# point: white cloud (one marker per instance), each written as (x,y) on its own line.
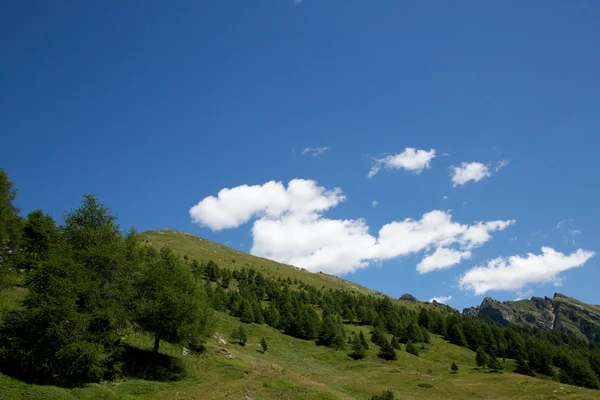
(445,197)
(233,207)
(290,227)
(501,164)
(296,2)
(442,258)
(473,171)
(441,299)
(560,223)
(374,203)
(514,272)
(410,159)
(574,232)
(315,151)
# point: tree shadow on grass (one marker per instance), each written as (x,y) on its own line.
(142,364)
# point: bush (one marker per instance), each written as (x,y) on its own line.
(387,395)
(425,385)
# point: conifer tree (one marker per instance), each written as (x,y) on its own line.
(412,349)
(454,367)
(387,352)
(481,358)
(263,345)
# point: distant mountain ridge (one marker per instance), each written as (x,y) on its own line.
(557,313)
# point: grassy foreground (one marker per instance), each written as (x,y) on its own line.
(297,369)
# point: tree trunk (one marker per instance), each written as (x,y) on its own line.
(156,344)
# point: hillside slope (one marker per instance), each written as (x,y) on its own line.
(204,250)
(558,313)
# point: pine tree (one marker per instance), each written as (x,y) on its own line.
(387,352)
(481,358)
(363,340)
(263,345)
(412,349)
(493,363)
(523,367)
(358,350)
(454,367)
(395,343)
(455,335)
(242,338)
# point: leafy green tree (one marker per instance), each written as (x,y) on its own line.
(455,335)
(378,336)
(424,318)
(481,358)
(331,332)
(412,349)
(358,350)
(523,367)
(395,343)
(53,337)
(426,335)
(493,363)
(263,345)
(171,304)
(10,224)
(387,352)
(40,234)
(363,340)
(454,367)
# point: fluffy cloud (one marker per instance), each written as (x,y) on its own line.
(233,207)
(442,258)
(441,299)
(467,172)
(514,272)
(374,203)
(410,159)
(290,227)
(315,151)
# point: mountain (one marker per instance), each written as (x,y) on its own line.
(558,313)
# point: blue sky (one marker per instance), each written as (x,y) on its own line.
(154,108)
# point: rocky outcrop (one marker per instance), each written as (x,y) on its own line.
(558,313)
(409,297)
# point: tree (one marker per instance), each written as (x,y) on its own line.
(412,349)
(378,336)
(481,358)
(238,335)
(387,352)
(10,223)
(358,350)
(523,367)
(493,363)
(171,304)
(454,367)
(39,236)
(395,343)
(426,336)
(363,340)
(263,345)
(455,335)
(387,395)
(331,332)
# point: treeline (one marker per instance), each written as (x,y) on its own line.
(306,312)
(88,285)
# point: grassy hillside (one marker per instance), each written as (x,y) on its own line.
(291,368)
(297,369)
(205,250)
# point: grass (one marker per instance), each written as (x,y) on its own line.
(297,369)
